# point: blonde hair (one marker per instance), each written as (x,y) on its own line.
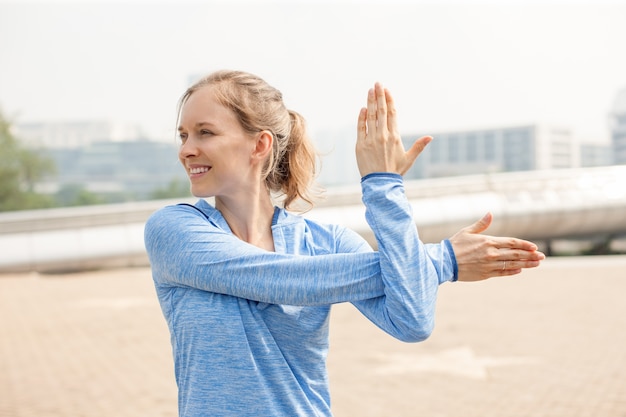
(292,165)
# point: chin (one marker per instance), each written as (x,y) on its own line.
(201,193)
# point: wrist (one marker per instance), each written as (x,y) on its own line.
(380,174)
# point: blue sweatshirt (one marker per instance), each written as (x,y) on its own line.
(249,328)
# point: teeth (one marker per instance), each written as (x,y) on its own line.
(198,170)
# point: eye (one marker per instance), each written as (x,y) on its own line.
(183,137)
(205,132)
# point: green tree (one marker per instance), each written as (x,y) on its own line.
(20,169)
(174,189)
(77,195)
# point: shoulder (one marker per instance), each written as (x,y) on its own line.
(173,213)
(180,212)
(173,220)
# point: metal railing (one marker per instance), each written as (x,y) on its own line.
(535,205)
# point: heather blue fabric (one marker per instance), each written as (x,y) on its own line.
(249,328)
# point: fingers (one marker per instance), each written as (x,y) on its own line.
(507,268)
(514,243)
(520,248)
(518,265)
(520,255)
(379,145)
(514,262)
(392,122)
(361,128)
(381,106)
(500,242)
(372,113)
(377,121)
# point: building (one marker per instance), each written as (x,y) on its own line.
(72,135)
(618,128)
(128,170)
(595,155)
(518,148)
(106,158)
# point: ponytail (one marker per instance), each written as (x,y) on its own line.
(298,163)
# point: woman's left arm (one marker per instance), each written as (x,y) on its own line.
(409,275)
(412,271)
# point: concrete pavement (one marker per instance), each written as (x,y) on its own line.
(550,342)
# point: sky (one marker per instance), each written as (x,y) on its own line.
(449,65)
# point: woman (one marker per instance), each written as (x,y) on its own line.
(246,286)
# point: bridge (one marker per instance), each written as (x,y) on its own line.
(536,205)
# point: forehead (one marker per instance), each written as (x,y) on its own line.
(202,106)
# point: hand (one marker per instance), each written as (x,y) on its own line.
(480,257)
(379,147)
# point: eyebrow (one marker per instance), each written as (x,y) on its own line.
(198,125)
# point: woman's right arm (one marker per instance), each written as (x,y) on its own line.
(185,249)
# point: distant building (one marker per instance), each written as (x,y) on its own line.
(594,155)
(519,148)
(103,157)
(70,135)
(618,128)
(132,168)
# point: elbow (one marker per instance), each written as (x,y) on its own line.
(418,336)
(418,333)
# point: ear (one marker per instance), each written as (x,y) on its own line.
(262,145)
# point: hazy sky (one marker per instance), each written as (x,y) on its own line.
(450,65)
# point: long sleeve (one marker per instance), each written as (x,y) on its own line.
(242,319)
(187,250)
(411,270)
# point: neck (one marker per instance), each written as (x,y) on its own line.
(249,218)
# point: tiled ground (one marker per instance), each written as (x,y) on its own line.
(550,342)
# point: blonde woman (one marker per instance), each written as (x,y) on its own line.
(246,286)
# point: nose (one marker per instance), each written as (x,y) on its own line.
(187,149)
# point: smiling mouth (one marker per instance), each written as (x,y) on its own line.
(198,170)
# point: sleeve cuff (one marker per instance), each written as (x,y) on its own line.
(381,174)
(455,266)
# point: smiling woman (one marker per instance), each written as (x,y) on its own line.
(246,286)
(222,122)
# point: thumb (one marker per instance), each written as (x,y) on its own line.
(481,225)
(415,150)
(418,146)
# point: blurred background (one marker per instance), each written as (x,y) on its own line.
(88,94)
(89,89)
(526,101)
(532,90)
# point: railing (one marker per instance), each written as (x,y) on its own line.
(536,205)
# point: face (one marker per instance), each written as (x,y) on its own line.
(215,150)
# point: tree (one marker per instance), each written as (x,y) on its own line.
(175,189)
(20,169)
(77,195)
